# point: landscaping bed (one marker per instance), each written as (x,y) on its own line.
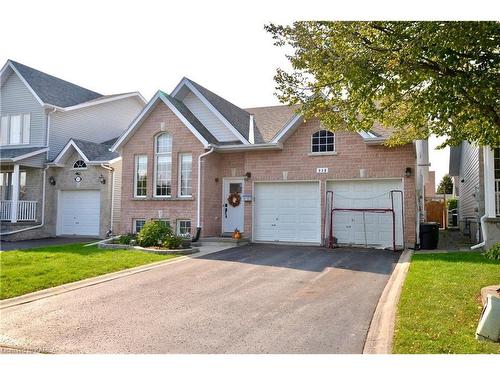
(440,304)
(25,271)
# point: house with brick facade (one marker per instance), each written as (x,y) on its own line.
(57,175)
(208,167)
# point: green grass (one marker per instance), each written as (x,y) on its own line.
(25,271)
(440,304)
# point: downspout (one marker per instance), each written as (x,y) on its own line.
(111,216)
(483,230)
(42,223)
(198,197)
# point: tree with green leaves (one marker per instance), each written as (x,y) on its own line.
(419,78)
(445,186)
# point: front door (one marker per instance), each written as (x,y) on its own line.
(232,212)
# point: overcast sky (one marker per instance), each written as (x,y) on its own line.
(120,46)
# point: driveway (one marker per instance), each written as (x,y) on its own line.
(252,299)
(43,242)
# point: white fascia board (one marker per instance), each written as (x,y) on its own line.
(199,95)
(257,147)
(374,141)
(30,154)
(294,121)
(92,162)
(102,101)
(9,64)
(185,121)
(71,143)
(136,122)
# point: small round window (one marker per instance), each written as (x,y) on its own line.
(79,164)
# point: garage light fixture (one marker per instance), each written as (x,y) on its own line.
(408,172)
(102,180)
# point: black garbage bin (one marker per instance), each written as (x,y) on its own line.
(429,236)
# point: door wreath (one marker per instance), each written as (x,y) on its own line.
(234,199)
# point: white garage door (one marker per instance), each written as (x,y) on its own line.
(371,229)
(287,211)
(79,212)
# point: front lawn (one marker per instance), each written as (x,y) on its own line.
(25,271)
(440,304)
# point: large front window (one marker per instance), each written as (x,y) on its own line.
(15,129)
(141,175)
(163,165)
(185,166)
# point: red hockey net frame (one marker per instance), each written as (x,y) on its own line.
(329,199)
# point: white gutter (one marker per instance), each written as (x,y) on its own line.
(257,147)
(42,223)
(198,197)
(111,216)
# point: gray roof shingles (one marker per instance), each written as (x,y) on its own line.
(10,153)
(96,151)
(53,90)
(239,118)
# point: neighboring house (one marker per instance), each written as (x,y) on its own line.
(40,192)
(476,175)
(264,171)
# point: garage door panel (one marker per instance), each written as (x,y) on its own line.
(79,212)
(295,215)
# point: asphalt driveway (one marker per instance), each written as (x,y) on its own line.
(252,299)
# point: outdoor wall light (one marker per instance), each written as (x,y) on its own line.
(408,172)
(52,180)
(248,175)
(102,180)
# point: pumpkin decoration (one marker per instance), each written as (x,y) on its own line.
(234,199)
(236,234)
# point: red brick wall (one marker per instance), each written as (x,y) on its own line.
(352,155)
(142,143)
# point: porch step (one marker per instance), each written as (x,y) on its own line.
(224,240)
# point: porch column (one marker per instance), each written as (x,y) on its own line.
(15,194)
(489,182)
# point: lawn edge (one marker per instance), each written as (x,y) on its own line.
(380,335)
(95,280)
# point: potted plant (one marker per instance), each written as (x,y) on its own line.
(236,234)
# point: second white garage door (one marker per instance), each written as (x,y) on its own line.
(79,212)
(287,212)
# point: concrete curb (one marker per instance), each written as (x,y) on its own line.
(65,288)
(381,331)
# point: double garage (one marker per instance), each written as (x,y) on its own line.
(293,211)
(79,212)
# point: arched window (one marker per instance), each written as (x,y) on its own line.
(163,165)
(323,141)
(79,164)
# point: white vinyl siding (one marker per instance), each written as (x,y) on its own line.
(185,175)
(141,176)
(208,118)
(17,99)
(96,123)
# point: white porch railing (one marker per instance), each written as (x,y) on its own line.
(497,197)
(26,210)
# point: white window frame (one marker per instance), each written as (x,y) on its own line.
(332,152)
(79,168)
(159,154)
(134,224)
(136,160)
(24,129)
(166,221)
(179,175)
(178,226)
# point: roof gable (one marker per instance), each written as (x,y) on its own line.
(90,152)
(236,119)
(49,89)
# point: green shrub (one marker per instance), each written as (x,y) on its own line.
(153,233)
(452,203)
(494,252)
(126,238)
(172,242)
